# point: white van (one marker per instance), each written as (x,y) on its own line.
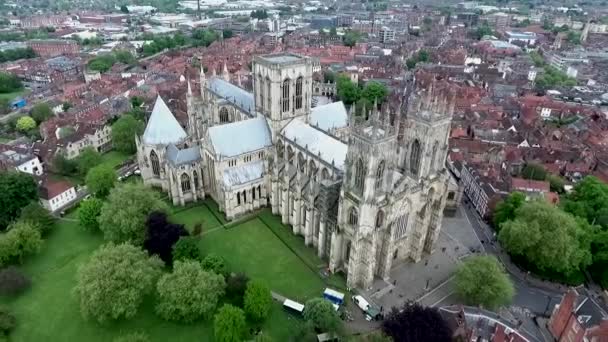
(361,302)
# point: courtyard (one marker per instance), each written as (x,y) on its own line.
(49,310)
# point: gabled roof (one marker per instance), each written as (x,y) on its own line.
(233,94)
(329,149)
(243,174)
(328,116)
(184,156)
(163,128)
(240,137)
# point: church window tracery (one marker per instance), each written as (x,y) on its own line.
(285,97)
(224,116)
(415,158)
(359,175)
(195,176)
(155,163)
(353,216)
(379,219)
(380,175)
(299,92)
(185,180)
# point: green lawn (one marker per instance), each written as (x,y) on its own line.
(11,96)
(114,158)
(49,311)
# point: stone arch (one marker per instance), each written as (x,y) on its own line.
(280,150)
(415,152)
(325,174)
(312,169)
(285,94)
(379,218)
(434,161)
(301,162)
(290,154)
(195,178)
(299,88)
(380,175)
(185,182)
(353,216)
(359,175)
(224,115)
(155,163)
(268,93)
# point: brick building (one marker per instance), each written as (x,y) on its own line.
(577,318)
(53,47)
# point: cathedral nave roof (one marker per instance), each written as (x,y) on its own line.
(315,141)
(231,93)
(329,116)
(163,128)
(240,137)
(183,156)
(244,173)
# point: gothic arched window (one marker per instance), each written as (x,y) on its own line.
(415,158)
(155,163)
(299,92)
(185,180)
(312,169)
(268,94)
(195,176)
(353,216)
(325,174)
(285,97)
(434,162)
(301,162)
(359,175)
(379,219)
(238,198)
(253,194)
(261,87)
(259,192)
(290,154)
(224,117)
(280,149)
(380,175)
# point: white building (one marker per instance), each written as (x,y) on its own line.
(55,195)
(387,34)
(21,161)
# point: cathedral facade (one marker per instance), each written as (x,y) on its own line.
(365,191)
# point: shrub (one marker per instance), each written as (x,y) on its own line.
(133,337)
(7,321)
(258,300)
(198,229)
(186,248)
(214,263)
(13,281)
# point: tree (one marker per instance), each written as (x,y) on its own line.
(236,285)
(186,248)
(9,83)
(589,200)
(329,76)
(556,183)
(229,324)
(17,189)
(415,323)
(13,281)
(64,166)
(38,216)
(482,31)
(125,57)
(123,216)
(124,9)
(214,263)
(376,336)
(322,314)
(133,337)
(124,131)
(66,106)
(258,300)
(482,280)
(505,209)
(21,240)
(162,235)
(375,92)
(189,292)
(89,212)
(350,38)
(7,321)
(25,123)
(41,112)
(114,282)
(348,92)
(411,63)
(87,159)
(227,34)
(534,171)
(546,238)
(102,63)
(100,180)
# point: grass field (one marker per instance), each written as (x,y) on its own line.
(114,158)
(11,96)
(49,310)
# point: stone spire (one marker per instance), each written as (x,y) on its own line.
(203,81)
(225,73)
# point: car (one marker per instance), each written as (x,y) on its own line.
(137,172)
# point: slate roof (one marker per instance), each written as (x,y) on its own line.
(240,137)
(328,116)
(233,94)
(243,174)
(163,128)
(184,156)
(317,142)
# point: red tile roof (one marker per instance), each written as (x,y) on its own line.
(52,188)
(528,184)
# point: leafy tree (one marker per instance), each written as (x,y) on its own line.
(87,159)
(411,63)
(348,92)
(162,235)
(124,131)
(258,300)
(376,336)
(21,240)
(8,322)
(25,124)
(125,57)
(329,76)
(13,281)
(9,83)
(39,216)
(322,314)
(547,238)
(17,189)
(102,63)
(214,263)
(186,248)
(114,282)
(124,9)
(350,38)
(482,280)
(482,31)
(375,92)
(573,37)
(415,323)
(556,183)
(259,14)
(100,180)
(124,215)
(227,34)
(89,212)
(589,200)
(189,292)
(41,112)
(534,171)
(64,166)
(229,324)
(133,337)
(505,209)
(66,106)
(236,285)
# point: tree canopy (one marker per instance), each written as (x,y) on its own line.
(162,235)
(481,280)
(87,159)
(505,209)
(102,63)
(534,171)
(258,300)
(547,238)
(17,189)
(41,112)
(321,313)
(22,239)
(123,216)
(214,263)
(25,124)
(348,92)
(229,324)
(186,248)
(9,83)
(351,38)
(124,131)
(89,212)
(189,292)
(39,216)
(100,180)
(414,323)
(114,282)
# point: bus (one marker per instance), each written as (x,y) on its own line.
(334,296)
(292,306)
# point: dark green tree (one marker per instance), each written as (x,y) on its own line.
(482,280)
(41,112)
(100,180)
(186,248)
(89,212)
(505,209)
(348,92)
(39,216)
(17,190)
(87,159)
(322,314)
(229,324)
(124,131)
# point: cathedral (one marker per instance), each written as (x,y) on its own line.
(365,191)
